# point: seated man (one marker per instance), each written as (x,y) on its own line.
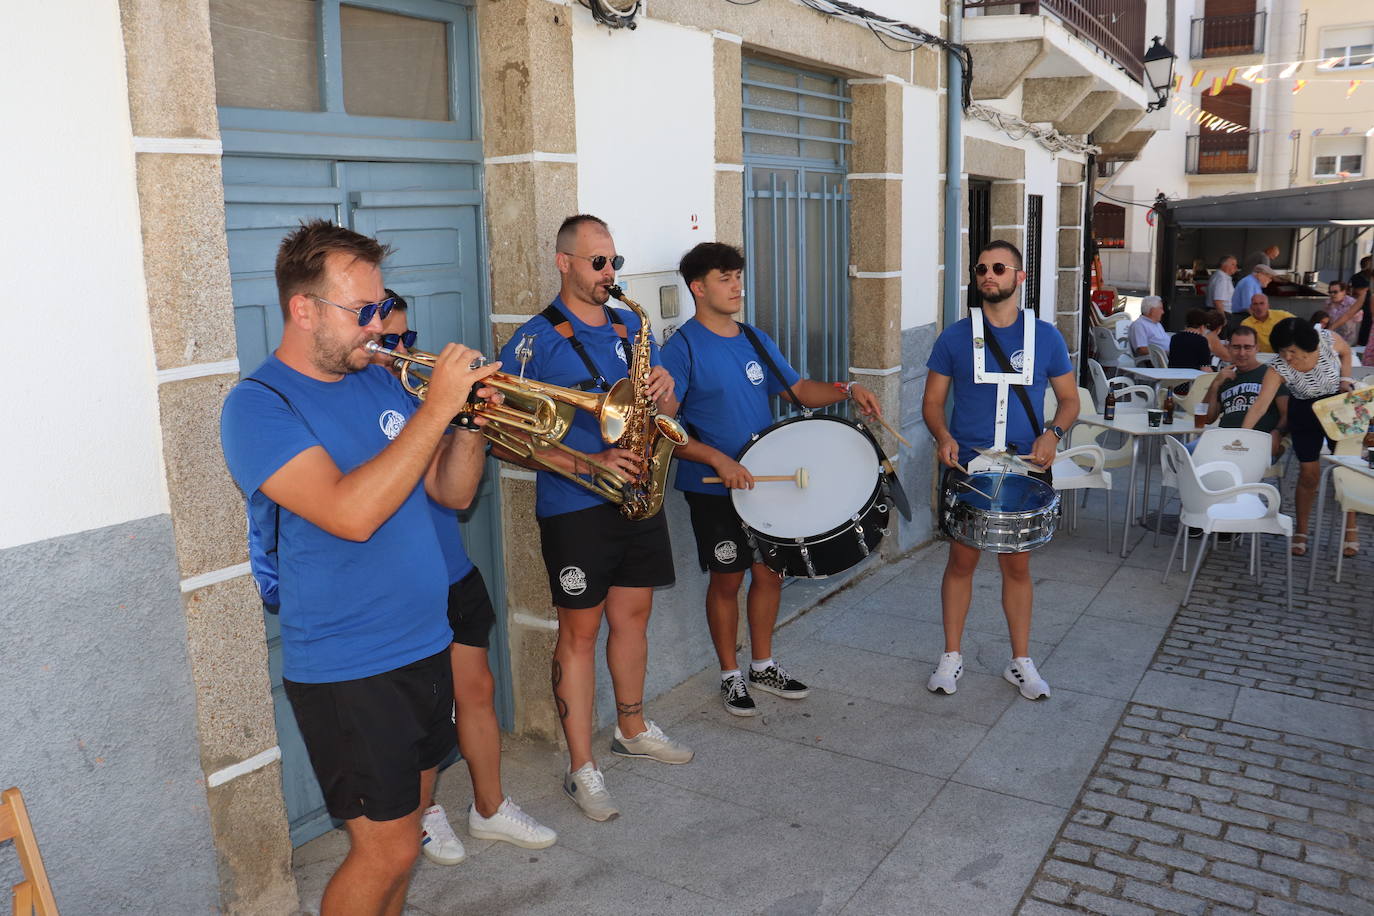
(1149,328)
(1262,320)
(1237,385)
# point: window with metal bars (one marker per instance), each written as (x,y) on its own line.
(1034,208)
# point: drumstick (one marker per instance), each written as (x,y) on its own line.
(888,427)
(801,478)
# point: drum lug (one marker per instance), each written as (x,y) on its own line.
(859,533)
(806,558)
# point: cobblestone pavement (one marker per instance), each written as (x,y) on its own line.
(1203,814)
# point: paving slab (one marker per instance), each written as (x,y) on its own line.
(1347,724)
(971,852)
(1043,750)
(985,651)
(1104,656)
(1186,694)
(1136,594)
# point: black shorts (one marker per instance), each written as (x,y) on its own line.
(588,551)
(1305,429)
(470,613)
(369,738)
(722,543)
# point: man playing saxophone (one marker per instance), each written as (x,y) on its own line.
(598,561)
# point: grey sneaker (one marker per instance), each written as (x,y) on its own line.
(651,743)
(775,680)
(587,789)
(511,825)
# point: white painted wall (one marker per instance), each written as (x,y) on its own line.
(646,137)
(80,413)
(922,206)
(1042,177)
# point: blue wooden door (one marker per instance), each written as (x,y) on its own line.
(347,149)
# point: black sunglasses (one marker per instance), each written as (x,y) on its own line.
(599,260)
(407,337)
(365,312)
(997,268)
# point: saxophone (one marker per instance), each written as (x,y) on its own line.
(650,435)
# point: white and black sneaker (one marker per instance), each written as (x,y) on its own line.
(775,680)
(950,669)
(1021,673)
(735,696)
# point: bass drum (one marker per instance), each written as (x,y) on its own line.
(837,519)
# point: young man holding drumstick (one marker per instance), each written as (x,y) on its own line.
(724,384)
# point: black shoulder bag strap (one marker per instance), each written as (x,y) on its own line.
(1038,425)
(691,373)
(749,332)
(554,316)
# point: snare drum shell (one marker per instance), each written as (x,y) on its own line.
(1000,530)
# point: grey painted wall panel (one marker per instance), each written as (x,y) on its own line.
(99,727)
(918,461)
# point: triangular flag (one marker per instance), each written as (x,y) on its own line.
(1197,77)
(1317,132)
(1294,134)
(1218,83)
(1354,84)
(1231,75)
(1298,86)
(1178,81)
(1345,131)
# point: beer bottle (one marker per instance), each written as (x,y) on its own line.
(1109,406)
(1169,406)
(1368,445)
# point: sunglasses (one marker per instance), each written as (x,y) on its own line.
(599,260)
(998,268)
(364,313)
(406,337)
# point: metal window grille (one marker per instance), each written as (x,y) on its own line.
(979,230)
(796,213)
(1034,208)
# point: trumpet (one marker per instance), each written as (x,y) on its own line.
(533,417)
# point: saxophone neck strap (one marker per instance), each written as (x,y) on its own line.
(563,325)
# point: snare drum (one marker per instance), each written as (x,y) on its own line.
(837,519)
(1020,515)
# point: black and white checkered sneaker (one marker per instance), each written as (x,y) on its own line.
(735,696)
(777,681)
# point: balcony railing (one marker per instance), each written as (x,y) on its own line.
(1223,154)
(1116,27)
(1227,36)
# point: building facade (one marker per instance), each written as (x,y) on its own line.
(178,140)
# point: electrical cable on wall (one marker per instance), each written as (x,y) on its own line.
(1017,128)
(617,14)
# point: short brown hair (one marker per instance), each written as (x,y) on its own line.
(301,257)
(568,230)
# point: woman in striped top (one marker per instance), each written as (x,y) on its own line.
(1314,363)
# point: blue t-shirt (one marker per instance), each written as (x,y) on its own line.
(975,405)
(1245,290)
(342,615)
(556,362)
(456,559)
(725,391)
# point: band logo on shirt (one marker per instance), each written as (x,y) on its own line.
(1018,360)
(572,580)
(754,372)
(391,422)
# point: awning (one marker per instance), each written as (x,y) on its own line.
(1347,203)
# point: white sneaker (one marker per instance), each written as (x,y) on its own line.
(1022,674)
(587,789)
(437,839)
(651,744)
(950,669)
(511,825)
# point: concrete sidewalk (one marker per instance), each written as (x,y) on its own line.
(873,796)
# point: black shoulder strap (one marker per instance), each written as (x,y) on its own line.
(749,332)
(554,316)
(1038,425)
(276,507)
(691,373)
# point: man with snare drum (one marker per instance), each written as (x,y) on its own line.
(992,358)
(725,374)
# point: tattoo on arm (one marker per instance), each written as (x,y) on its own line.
(559,703)
(629,709)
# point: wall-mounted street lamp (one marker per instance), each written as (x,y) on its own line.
(1159,70)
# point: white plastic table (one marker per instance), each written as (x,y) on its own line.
(1159,376)
(1136,425)
(1329,464)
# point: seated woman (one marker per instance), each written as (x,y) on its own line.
(1198,342)
(1313,363)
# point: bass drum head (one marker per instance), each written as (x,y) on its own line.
(841,461)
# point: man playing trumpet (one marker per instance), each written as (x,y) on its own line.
(599,563)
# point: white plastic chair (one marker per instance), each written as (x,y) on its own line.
(1354,493)
(1247,450)
(1084,468)
(1241,508)
(1109,349)
(1159,357)
(1128,396)
(1197,393)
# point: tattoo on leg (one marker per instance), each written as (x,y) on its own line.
(559,703)
(629,709)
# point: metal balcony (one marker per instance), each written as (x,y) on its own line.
(1116,27)
(1229,36)
(1222,153)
